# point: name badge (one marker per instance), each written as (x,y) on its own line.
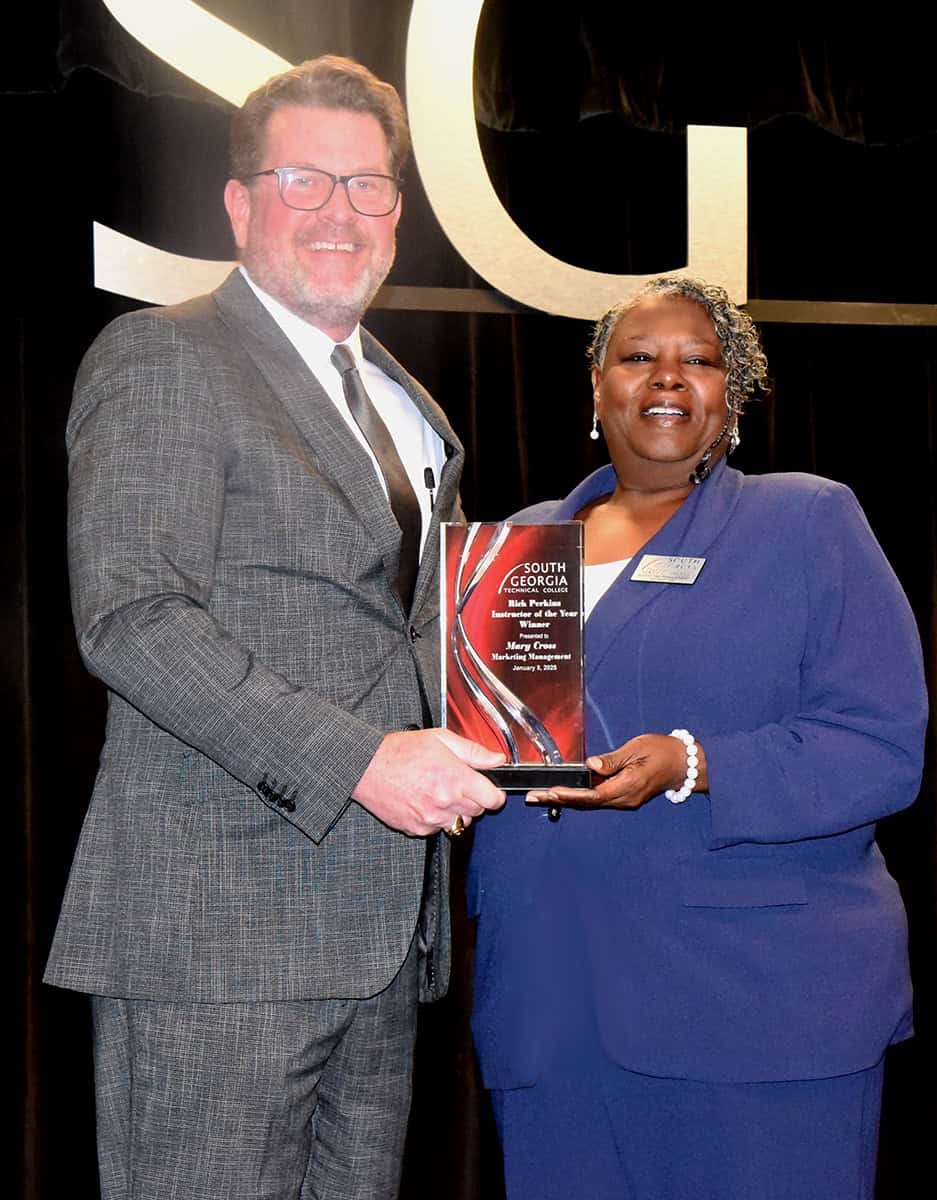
(667,568)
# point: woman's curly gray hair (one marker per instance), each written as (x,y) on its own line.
(742,355)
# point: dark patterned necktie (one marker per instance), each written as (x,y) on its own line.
(403,501)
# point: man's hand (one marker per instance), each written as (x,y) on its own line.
(421,782)
(631,775)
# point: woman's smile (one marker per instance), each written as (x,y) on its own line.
(661,391)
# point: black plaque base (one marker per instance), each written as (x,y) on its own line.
(525,777)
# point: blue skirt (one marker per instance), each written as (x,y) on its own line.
(598,1132)
(591,1130)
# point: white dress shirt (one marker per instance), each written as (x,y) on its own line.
(417,443)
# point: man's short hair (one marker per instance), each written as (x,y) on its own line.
(326,82)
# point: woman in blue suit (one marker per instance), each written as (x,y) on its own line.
(685,987)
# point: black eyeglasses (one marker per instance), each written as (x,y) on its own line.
(308,188)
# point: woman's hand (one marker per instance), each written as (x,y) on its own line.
(629,776)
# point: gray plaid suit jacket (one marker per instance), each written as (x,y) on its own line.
(232,557)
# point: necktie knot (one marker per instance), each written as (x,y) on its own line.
(342,358)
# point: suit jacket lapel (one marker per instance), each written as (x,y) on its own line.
(339,456)
(690,532)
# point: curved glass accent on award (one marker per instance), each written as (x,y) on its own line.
(511,608)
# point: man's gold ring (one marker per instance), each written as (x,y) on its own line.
(457,828)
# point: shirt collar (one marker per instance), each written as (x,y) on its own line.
(315,346)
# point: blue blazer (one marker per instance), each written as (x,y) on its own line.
(751,933)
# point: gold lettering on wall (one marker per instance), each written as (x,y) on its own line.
(202,46)
(440,59)
(132,268)
(228,63)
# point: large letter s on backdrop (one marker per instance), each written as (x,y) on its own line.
(227,63)
(440,58)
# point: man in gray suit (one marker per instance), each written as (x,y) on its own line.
(259,893)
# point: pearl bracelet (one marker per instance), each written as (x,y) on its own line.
(692,767)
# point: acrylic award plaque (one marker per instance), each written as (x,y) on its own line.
(512,677)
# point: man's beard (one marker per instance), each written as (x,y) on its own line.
(321,304)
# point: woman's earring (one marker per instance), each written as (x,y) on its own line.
(702,470)
(735,439)
(594,434)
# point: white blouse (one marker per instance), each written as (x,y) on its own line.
(596,581)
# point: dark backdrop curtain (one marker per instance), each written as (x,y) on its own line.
(583,129)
